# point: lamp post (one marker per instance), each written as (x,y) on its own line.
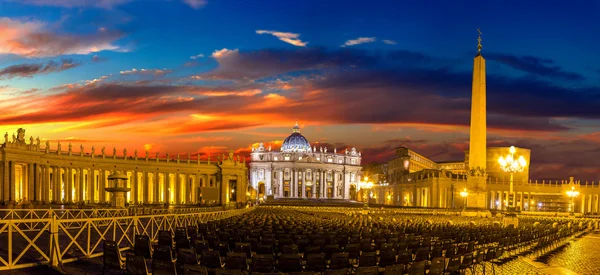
(572,194)
(512,165)
(367,185)
(464,194)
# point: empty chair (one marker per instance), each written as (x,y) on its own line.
(194,270)
(165,238)
(186,256)
(136,265)
(112,257)
(290,249)
(372,270)
(262,263)
(264,249)
(160,267)
(417,268)
(422,254)
(163,253)
(404,257)
(339,260)
(438,266)
(237,261)
(387,258)
(200,246)
(243,248)
(467,261)
(453,264)
(394,269)
(315,262)
(222,247)
(211,259)
(142,246)
(228,272)
(289,263)
(367,259)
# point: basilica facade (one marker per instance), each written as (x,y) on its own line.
(36,173)
(299,170)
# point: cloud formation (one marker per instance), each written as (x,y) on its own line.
(31,69)
(389,42)
(196,56)
(288,37)
(154,72)
(534,65)
(32,39)
(195,4)
(105,4)
(357,41)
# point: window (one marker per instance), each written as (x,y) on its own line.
(329,160)
(275,158)
(340,161)
(354,161)
(299,158)
(287,157)
(261,174)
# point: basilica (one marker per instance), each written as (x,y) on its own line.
(299,170)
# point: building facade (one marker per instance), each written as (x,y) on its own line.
(416,181)
(35,173)
(298,170)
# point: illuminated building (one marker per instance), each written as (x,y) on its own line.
(299,171)
(416,180)
(35,173)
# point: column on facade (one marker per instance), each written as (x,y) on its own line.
(281,182)
(334,185)
(101,186)
(177,188)
(6,182)
(292,182)
(146,183)
(314,176)
(269,182)
(68,185)
(46,185)
(156,196)
(303,191)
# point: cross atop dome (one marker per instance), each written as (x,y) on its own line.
(296,128)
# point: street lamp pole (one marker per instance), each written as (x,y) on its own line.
(512,165)
(367,185)
(572,194)
(464,194)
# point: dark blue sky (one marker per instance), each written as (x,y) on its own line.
(213,75)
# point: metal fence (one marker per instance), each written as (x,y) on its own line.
(51,237)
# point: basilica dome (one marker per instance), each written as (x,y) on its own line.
(296,142)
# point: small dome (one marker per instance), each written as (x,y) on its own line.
(296,142)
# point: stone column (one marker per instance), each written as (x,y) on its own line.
(281,183)
(156,186)
(47,184)
(293,193)
(69,184)
(80,185)
(6,182)
(28,193)
(315,182)
(177,188)
(136,187)
(303,173)
(346,182)
(268,182)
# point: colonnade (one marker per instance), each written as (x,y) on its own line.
(55,183)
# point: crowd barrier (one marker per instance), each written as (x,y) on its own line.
(53,237)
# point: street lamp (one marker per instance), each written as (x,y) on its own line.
(572,194)
(464,194)
(512,165)
(365,184)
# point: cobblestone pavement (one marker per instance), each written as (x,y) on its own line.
(577,257)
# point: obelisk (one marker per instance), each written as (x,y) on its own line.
(478,135)
(476,180)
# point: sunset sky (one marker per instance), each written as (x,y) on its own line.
(200,76)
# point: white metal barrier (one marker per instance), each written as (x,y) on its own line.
(54,241)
